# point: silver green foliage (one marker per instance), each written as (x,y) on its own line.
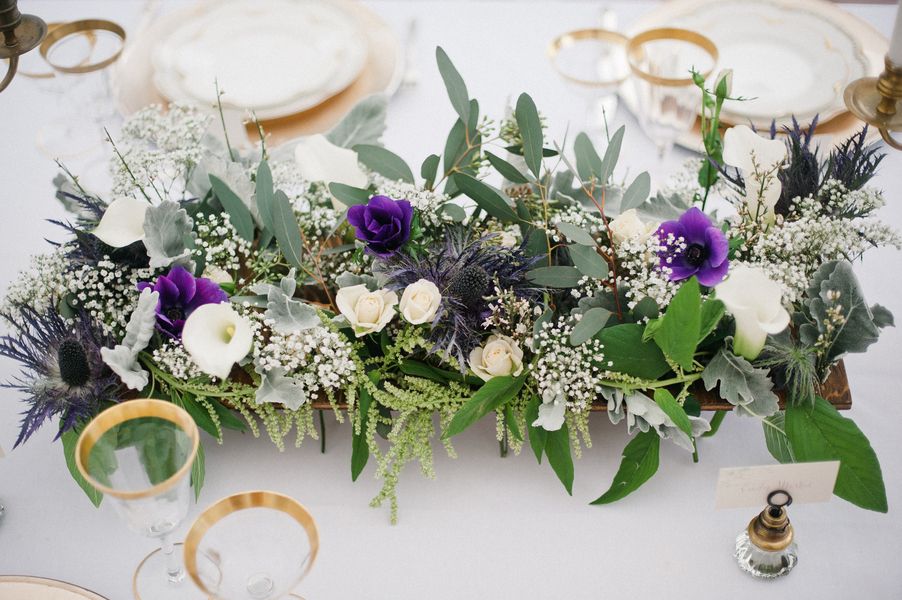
(643,414)
(277,388)
(365,124)
(747,388)
(287,314)
(123,359)
(167,232)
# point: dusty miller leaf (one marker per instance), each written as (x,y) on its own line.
(288,315)
(123,359)
(167,226)
(276,388)
(742,385)
(365,124)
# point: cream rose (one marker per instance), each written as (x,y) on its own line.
(500,356)
(629,226)
(420,302)
(366,311)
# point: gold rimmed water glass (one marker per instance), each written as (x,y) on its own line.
(592,63)
(255,545)
(662,61)
(139,454)
(80,54)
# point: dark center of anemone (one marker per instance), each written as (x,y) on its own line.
(695,255)
(75,370)
(469,284)
(175,313)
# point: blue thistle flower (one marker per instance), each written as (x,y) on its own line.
(465,270)
(62,371)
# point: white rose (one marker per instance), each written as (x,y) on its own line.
(366,311)
(319,159)
(420,301)
(217,337)
(217,274)
(756,303)
(629,226)
(759,159)
(500,356)
(508,239)
(122,222)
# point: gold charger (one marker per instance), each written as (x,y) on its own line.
(23,587)
(133,77)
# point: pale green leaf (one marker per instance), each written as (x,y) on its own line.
(385,162)
(531,132)
(592,321)
(588,261)
(554,277)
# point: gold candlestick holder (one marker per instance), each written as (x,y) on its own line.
(875,100)
(18,34)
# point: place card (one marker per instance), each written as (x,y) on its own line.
(739,487)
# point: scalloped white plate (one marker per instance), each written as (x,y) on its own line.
(23,587)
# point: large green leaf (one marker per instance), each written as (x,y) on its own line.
(538,436)
(588,261)
(639,463)
(623,346)
(384,161)
(494,393)
(360,450)
(554,277)
(557,449)
(712,312)
(678,332)
(668,404)
(488,198)
(454,83)
(198,471)
(287,230)
(820,433)
(531,131)
(239,215)
(775,437)
(70,439)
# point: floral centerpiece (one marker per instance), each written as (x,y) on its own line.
(255,288)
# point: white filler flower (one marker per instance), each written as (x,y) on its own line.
(366,311)
(420,302)
(319,159)
(122,222)
(217,337)
(759,159)
(500,356)
(756,303)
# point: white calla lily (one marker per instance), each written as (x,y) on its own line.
(216,337)
(122,222)
(366,311)
(319,159)
(756,303)
(759,159)
(420,302)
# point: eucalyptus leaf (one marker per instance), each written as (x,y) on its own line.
(611,155)
(507,170)
(264,192)
(637,192)
(744,386)
(592,321)
(530,125)
(588,163)
(455,212)
(454,83)
(348,194)
(429,169)
(239,214)
(287,230)
(167,226)
(385,162)
(365,124)
(487,198)
(360,450)
(576,234)
(554,277)
(588,261)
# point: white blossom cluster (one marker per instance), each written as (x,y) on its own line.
(317,357)
(159,149)
(107,292)
(286,176)
(576,215)
(218,242)
(41,285)
(817,231)
(172,358)
(426,203)
(564,371)
(510,315)
(642,273)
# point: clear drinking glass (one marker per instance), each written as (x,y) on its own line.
(139,453)
(668,100)
(80,53)
(251,546)
(592,63)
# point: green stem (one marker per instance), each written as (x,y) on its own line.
(716,420)
(322,429)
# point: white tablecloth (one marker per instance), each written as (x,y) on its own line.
(486,527)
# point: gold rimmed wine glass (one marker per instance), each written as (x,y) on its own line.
(139,453)
(80,52)
(662,61)
(251,546)
(592,63)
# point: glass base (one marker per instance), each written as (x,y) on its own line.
(761,563)
(151,583)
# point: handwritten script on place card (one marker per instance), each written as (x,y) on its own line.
(739,487)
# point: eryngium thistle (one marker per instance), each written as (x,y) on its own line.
(465,270)
(62,371)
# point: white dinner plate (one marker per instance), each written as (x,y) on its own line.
(21,587)
(274,57)
(789,57)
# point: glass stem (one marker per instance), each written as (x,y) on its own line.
(174,571)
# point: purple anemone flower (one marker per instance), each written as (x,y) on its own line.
(383,224)
(181,293)
(694,246)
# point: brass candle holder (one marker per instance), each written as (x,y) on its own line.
(20,34)
(875,100)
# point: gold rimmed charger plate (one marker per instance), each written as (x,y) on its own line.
(24,587)
(134,89)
